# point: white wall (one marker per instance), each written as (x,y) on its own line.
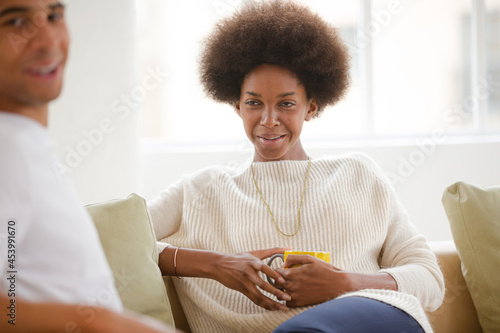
(100,70)
(421,171)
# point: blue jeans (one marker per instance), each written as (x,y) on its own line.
(352,315)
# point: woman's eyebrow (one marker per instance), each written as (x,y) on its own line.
(253,94)
(279,96)
(286,94)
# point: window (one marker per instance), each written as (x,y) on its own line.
(487,32)
(417,66)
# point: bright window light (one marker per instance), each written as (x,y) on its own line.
(417,66)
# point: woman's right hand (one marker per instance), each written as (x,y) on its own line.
(240,272)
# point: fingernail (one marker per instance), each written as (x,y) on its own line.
(283,308)
(286,297)
(281,280)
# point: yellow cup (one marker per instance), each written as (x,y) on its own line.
(325,256)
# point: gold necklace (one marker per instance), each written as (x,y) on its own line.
(300,205)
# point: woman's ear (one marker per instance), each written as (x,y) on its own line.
(312,109)
(237,107)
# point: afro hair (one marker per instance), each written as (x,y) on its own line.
(281,33)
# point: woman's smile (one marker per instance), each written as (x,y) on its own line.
(271,140)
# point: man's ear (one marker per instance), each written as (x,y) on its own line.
(312,109)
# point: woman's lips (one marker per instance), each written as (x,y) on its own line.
(271,140)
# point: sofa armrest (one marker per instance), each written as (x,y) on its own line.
(177,311)
(457,313)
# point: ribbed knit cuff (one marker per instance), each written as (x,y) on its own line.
(161,246)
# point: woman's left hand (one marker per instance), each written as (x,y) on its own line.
(313,282)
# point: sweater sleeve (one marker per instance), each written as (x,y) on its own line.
(166,212)
(167,209)
(406,256)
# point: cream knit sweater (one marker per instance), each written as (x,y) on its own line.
(349,209)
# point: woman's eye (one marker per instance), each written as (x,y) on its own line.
(288,104)
(252,103)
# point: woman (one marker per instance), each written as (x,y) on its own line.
(279,64)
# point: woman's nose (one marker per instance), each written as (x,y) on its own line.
(269,118)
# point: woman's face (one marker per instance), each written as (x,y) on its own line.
(274,106)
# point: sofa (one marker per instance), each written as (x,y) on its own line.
(457,313)
(128,240)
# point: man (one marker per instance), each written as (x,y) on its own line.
(50,252)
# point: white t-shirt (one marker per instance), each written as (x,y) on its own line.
(49,247)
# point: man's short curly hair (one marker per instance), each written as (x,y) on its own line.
(276,32)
